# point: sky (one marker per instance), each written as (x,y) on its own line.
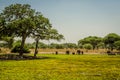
(77,19)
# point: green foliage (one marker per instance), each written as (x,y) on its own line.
(60,46)
(19,20)
(16,48)
(93,40)
(56,46)
(42,45)
(30,45)
(3,44)
(117,45)
(110,39)
(97,42)
(62,67)
(9,41)
(70,45)
(53,34)
(101,45)
(88,46)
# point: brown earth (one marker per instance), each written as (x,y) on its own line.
(60,51)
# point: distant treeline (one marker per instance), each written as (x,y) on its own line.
(110,41)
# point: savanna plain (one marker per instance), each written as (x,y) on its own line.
(62,67)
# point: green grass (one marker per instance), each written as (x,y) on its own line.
(63,67)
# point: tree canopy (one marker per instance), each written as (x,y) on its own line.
(20,20)
(110,39)
(93,40)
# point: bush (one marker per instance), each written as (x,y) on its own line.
(16,49)
(88,46)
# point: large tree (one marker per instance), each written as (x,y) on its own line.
(18,21)
(22,21)
(44,31)
(93,40)
(110,39)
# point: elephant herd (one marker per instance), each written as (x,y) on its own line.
(74,52)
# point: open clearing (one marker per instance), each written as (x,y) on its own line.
(62,67)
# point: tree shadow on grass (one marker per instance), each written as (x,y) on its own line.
(24,57)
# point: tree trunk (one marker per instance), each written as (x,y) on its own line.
(111,47)
(36,47)
(10,42)
(22,45)
(93,47)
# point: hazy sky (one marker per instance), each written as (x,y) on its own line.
(77,19)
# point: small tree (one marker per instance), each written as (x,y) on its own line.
(42,25)
(43,30)
(88,46)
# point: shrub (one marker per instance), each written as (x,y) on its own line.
(88,46)
(16,49)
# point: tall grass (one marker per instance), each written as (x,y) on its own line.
(63,67)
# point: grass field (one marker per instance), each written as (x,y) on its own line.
(62,67)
